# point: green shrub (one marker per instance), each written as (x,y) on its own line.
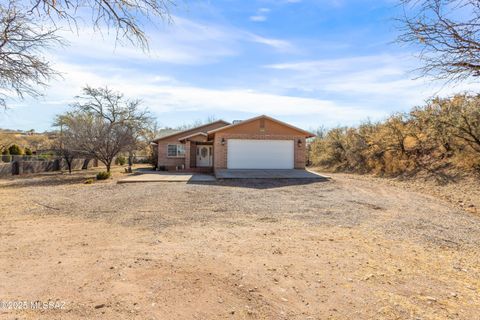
(120,160)
(103,175)
(44,157)
(6,156)
(89,181)
(15,150)
(28,152)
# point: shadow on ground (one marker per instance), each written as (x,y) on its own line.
(260,183)
(43,181)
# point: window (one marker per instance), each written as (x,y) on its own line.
(175,150)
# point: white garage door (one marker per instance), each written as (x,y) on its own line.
(260,154)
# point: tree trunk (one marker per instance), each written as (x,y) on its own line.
(69,164)
(130,162)
(108,165)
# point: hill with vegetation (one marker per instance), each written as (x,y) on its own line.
(440,139)
(26,139)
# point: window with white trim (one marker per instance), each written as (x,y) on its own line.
(175,150)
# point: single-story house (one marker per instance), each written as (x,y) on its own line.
(257,143)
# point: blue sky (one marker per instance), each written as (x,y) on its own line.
(311,63)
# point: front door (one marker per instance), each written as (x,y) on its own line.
(204,156)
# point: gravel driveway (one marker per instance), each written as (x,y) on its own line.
(271,249)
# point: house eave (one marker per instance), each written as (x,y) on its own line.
(193,135)
(183,131)
(306,133)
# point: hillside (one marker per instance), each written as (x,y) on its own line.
(30,139)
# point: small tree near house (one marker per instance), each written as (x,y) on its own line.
(67,154)
(6,155)
(64,145)
(15,150)
(104,124)
(149,133)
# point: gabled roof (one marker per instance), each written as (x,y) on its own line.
(307,134)
(193,135)
(191,131)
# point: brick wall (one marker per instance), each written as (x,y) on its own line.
(170,163)
(262,128)
(220,151)
(193,157)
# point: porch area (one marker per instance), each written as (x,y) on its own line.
(198,153)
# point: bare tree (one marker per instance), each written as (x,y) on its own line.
(196,123)
(460,116)
(448,34)
(124,16)
(28,28)
(65,144)
(67,153)
(151,132)
(103,124)
(22,39)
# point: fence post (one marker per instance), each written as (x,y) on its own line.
(85,163)
(17,167)
(57,165)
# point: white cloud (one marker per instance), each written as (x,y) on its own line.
(353,89)
(261,15)
(275,43)
(181,98)
(182,42)
(335,64)
(382,79)
(258,18)
(163,94)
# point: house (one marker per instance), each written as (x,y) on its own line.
(257,143)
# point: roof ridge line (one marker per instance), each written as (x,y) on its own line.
(179,132)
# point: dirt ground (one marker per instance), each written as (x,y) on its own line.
(348,248)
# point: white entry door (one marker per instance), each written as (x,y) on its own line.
(204,156)
(260,154)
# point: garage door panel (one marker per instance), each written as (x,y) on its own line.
(260,154)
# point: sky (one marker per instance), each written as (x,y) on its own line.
(311,63)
